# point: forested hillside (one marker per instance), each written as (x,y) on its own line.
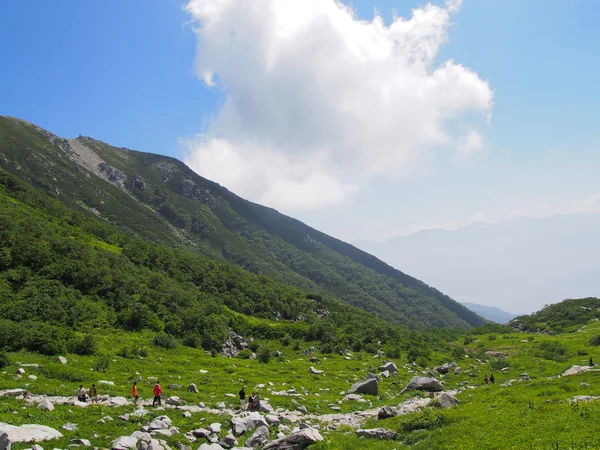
(567,315)
(162,201)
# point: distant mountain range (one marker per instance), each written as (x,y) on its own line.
(521,264)
(491,313)
(161,200)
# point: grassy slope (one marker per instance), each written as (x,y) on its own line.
(210,219)
(530,414)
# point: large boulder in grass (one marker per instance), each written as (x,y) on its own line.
(389,366)
(368,386)
(423,384)
(448,400)
(445,368)
(124,443)
(10,434)
(386,412)
(298,440)
(259,437)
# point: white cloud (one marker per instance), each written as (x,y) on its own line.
(320,102)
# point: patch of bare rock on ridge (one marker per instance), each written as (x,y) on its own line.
(88,158)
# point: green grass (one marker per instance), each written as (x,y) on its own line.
(532,414)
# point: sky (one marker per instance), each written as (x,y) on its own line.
(366,120)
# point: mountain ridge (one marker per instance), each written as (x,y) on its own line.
(162,200)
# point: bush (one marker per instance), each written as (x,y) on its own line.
(102,363)
(85,346)
(595,340)
(498,364)
(244,354)
(468,340)
(421,361)
(4,360)
(263,355)
(192,340)
(393,353)
(143,352)
(422,420)
(165,340)
(492,337)
(286,340)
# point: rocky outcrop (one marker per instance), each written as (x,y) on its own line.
(368,386)
(447,400)
(233,345)
(386,412)
(11,434)
(315,371)
(389,366)
(423,384)
(445,368)
(259,437)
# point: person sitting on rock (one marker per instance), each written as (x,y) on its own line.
(254,402)
(81,394)
(94,393)
(157,393)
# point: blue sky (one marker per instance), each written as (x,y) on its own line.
(124,72)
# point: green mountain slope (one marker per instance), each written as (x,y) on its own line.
(565,316)
(161,200)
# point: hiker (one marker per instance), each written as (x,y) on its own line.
(485,379)
(134,392)
(591,362)
(242,398)
(492,379)
(254,403)
(93,393)
(157,394)
(81,394)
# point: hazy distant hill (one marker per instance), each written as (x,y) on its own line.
(491,312)
(162,200)
(521,264)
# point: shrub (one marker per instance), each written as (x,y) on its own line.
(244,354)
(192,340)
(492,337)
(595,340)
(85,346)
(263,355)
(582,352)
(458,352)
(164,340)
(4,360)
(143,352)
(421,361)
(285,341)
(422,420)
(468,340)
(102,363)
(498,364)
(393,353)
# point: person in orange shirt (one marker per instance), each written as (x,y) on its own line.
(157,393)
(134,392)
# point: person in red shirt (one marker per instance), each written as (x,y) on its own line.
(485,379)
(134,392)
(157,394)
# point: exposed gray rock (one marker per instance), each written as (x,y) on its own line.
(213,446)
(238,425)
(83,442)
(444,368)
(192,388)
(27,433)
(69,427)
(215,427)
(385,374)
(368,386)
(315,371)
(378,433)
(447,400)
(173,400)
(386,412)
(298,440)
(389,366)
(259,437)
(187,414)
(228,441)
(124,443)
(118,401)
(272,419)
(423,384)
(45,405)
(201,433)
(303,409)
(233,345)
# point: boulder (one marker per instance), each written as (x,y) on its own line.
(423,384)
(213,446)
(83,442)
(124,443)
(106,382)
(173,400)
(69,427)
(228,441)
(444,368)
(20,371)
(259,437)
(447,400)
(187,414)
(27,433)
(192,388)
(238,425)
(389,366)
(254,420)
(62,359)
(45,405)
(32,377)
(215,427)
(272,419)
(118,401)
(200,433)
(298,440)
(385,374)
(315,371)
(303,409)
(378,433)
(368,386)
(13,393)
(386,412)
(457,370)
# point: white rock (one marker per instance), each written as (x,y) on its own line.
(109,383)
(215,427)
(29,433)
(62,359)
(45,405)
(124,443)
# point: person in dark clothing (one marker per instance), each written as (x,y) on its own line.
(243,398)
(254,403)
(492,379)
(591,362)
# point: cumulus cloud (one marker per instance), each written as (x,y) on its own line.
(318,102)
